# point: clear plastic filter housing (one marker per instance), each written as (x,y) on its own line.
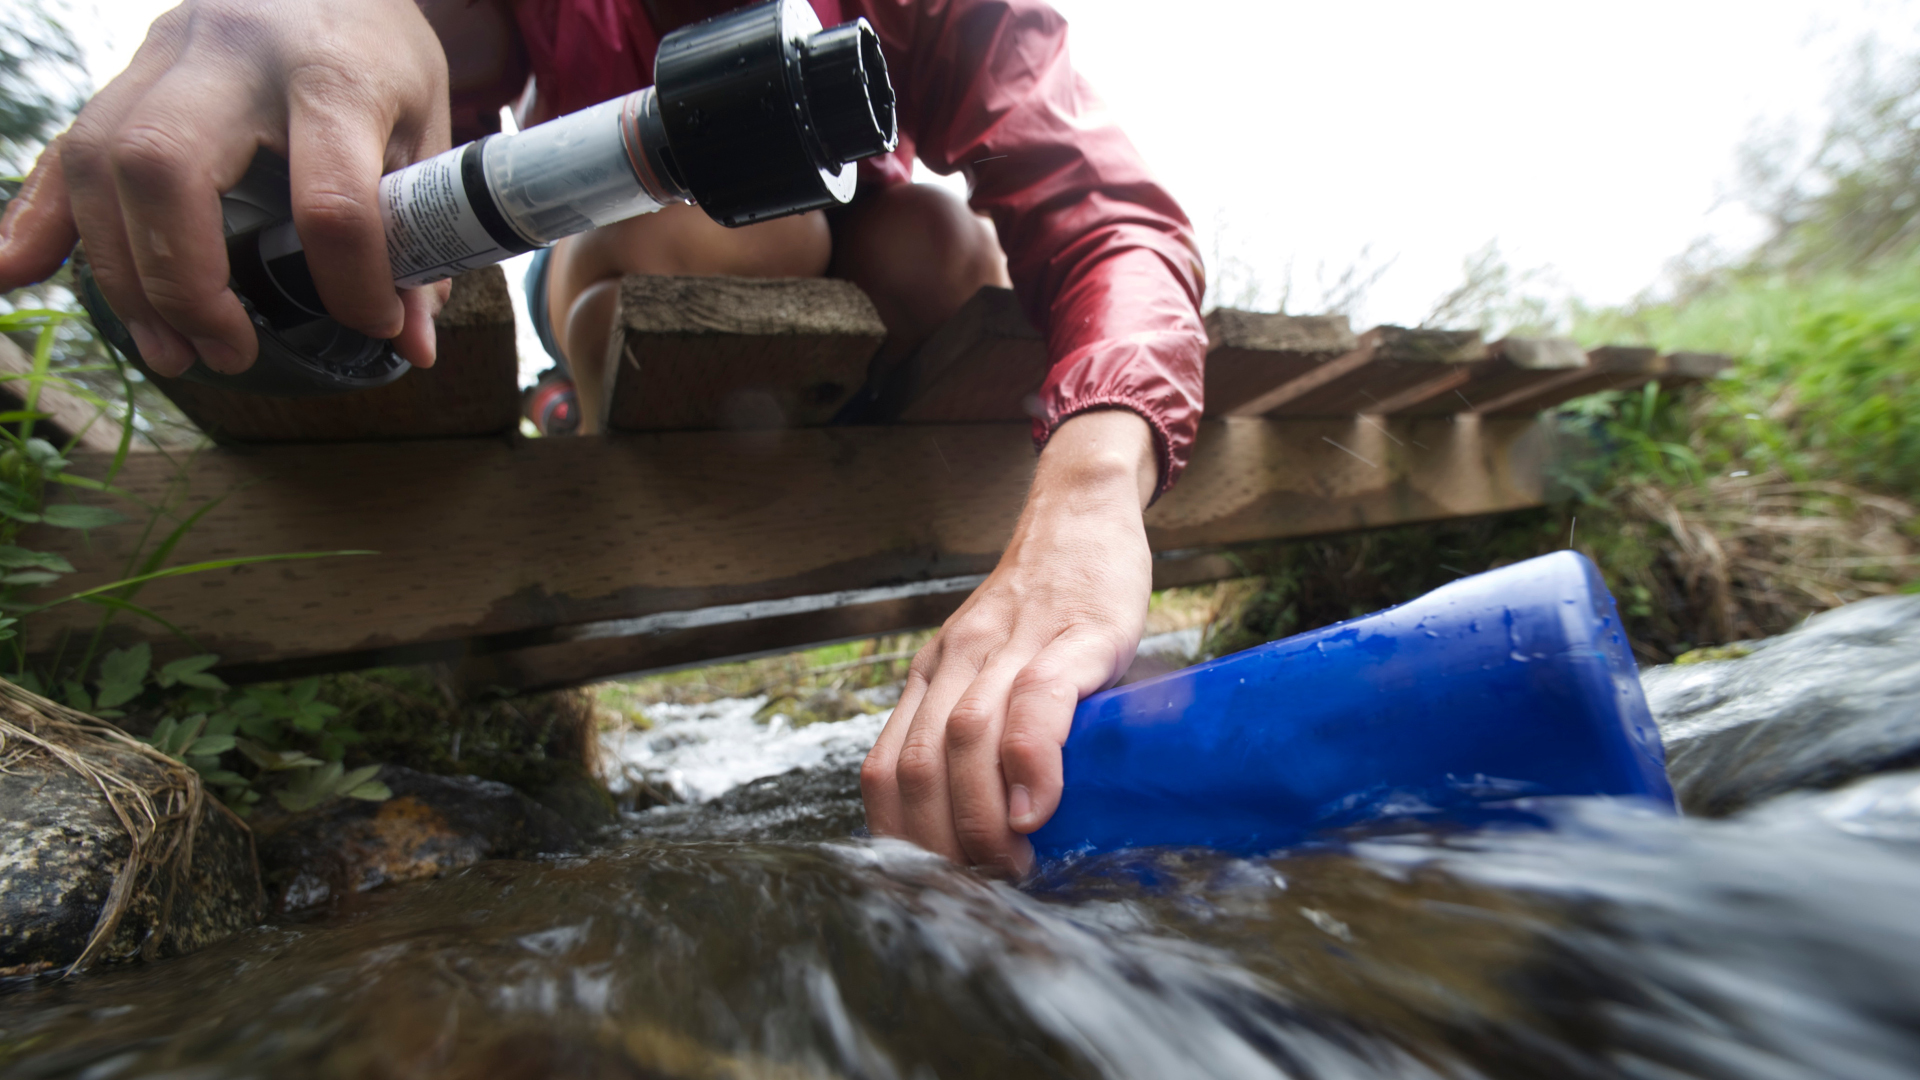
(572,173)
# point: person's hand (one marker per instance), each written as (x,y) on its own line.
(346,90)
(969,762)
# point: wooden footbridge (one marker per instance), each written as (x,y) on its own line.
(726,515)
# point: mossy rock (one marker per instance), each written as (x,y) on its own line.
(431,825)
(580,799)
(814,707)
(63,847)
(1735,651)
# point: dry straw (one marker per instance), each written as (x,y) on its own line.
(159,801)
(1755,554)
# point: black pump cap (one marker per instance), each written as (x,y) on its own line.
(764,112)
(848,92)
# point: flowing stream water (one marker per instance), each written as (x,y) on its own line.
(753,934)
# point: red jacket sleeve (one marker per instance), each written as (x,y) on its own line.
(1102,258)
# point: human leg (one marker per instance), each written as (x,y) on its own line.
(917,251)
(920,254)
(583,278)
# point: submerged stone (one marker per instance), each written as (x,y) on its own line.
(799,805)
(1835,699)
(430,826)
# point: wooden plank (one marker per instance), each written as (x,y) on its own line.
(472,389)
(734,635)
(1610,367)
(1685,368)
(496,545)
(744,631)
(66,415)
(1386,362)
(1250,353)
(707,353)
(985,363)
(1512,365)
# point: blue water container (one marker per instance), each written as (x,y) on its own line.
(1516,682)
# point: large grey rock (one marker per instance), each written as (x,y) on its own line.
(62,846)
(1835,699)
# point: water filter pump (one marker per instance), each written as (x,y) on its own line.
(755,114)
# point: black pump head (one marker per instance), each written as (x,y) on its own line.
(849,95)
(765,112)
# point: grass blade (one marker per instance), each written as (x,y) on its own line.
(114,603)
(197,568)
(173,539)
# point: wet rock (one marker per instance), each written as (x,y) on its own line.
(800,805)
(1835,699)
(431,825)
(580,798)
(1882,807)
(63,846)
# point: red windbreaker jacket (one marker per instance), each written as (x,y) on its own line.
(1102,258)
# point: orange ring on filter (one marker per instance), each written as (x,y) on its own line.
(636,157)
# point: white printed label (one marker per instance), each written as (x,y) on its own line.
(432,232)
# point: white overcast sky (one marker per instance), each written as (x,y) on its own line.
(1593,141)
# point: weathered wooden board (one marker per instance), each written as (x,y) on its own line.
(1386,363)
(1250,353)
(602,651)
(1523,376)
(1684,368)
(1611,367)
(984,364)
(496,545)
(708,353)
(473,387)
(742,631)
(1513,365)
(66,415)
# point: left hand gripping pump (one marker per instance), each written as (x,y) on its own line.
(755,114)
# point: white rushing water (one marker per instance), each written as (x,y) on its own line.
(704,751)
(700,752)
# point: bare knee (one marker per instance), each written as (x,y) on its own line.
(584,274)
(919,253)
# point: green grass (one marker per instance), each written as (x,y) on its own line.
(848,666)
(1827,379)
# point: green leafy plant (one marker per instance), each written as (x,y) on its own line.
(313,786)
(30,465)
(198,742)
(244,743)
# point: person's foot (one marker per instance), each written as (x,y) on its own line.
(552,405)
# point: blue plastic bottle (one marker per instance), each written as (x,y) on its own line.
(1510,683)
